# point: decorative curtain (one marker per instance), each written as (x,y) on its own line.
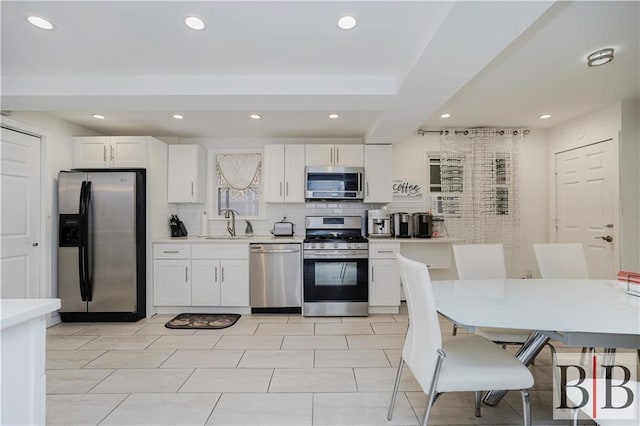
(239,170)
(479,170)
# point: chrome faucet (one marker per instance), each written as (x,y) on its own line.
(231,225)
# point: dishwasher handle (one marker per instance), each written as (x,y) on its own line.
(268,251)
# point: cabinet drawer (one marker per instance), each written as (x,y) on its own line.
(220,251)
(383,250)
(171,251)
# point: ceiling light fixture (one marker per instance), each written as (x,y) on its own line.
(98,116)
(194,23)
(600,57)
(178,116)
(445,115)
(40,22)
(256,116)
(333,116)
(347,22)
(544,116)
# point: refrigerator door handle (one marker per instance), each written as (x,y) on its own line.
(81,241)
(87,264)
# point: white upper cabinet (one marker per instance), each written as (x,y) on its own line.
(284,173)
(187,174)
(334,155)
(110,151)
(378,173)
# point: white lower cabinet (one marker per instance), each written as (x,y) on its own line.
(384,278)
(200,280)
(172,282)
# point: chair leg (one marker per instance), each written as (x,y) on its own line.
(433,395)
(526,411)
(394,394)
(478,412)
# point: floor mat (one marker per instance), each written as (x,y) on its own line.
(203,321)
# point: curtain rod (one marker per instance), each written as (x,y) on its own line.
(444,132)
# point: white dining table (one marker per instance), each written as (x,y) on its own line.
(576,312)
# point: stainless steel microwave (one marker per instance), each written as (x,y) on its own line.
(334,183)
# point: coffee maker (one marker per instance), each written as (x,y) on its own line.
(378,223)
(402,225)
(422,225)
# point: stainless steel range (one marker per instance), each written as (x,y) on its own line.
(335,267)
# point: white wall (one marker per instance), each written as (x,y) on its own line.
(618,122)
(57,154)
(409,157)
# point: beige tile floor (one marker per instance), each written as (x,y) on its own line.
(265,370)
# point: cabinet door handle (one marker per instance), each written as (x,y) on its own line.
(337,155)
(367,189)
(281,189)
(112,154)
(170,251)
(186,274)
(104,152)
(222,274)
(373,277)
(216,275)
(331,155)
(385,251)
(192,186)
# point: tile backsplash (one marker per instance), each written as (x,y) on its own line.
(191,215)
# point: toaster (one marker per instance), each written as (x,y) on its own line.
(282,229)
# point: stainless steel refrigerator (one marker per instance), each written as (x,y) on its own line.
(102,241)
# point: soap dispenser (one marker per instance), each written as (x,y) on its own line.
(249,229)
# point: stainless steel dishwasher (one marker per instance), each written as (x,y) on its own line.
(275,276)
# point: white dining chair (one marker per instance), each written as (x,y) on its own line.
(485,261)
(466,363)
(561,260)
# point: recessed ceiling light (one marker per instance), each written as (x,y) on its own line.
(333,116)
(40,22)
(347,22)
(98,116)
(178,116)
(544,116)
(445,115)
(600,57)
(256,116)
(194,23)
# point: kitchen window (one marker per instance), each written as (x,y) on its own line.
(237,184)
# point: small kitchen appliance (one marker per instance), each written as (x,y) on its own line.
(378,224)
(402,225)
(422,225)
(335,267)
(282,228)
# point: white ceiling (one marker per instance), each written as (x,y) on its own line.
(486,63)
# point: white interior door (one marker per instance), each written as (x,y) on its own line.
(586,197)
(20,232)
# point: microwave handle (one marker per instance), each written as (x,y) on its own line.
(360,181)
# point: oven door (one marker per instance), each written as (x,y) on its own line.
(336,280)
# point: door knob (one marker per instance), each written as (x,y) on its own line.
(34,244)
(607,238)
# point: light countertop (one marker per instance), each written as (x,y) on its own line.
(226,239)
(16,311)
(440,240)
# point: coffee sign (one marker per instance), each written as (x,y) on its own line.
(402,188)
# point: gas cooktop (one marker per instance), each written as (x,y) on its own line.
(335,238)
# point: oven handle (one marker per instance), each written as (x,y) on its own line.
(342,256)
